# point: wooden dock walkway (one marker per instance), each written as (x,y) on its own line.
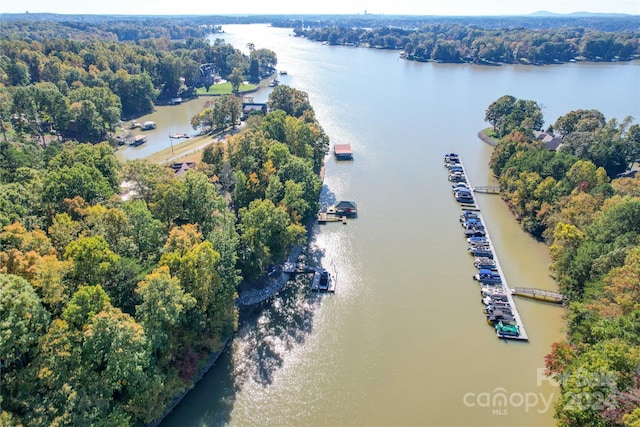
(488,189)
(540,294)
(505,285)
(324,217)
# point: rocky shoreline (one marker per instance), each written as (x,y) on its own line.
(251,294)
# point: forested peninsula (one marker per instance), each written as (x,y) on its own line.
(111,303)
(582,198)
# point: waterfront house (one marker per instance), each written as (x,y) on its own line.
(249,108)
(551,142)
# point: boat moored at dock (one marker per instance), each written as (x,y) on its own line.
(322,281)
(487,276)
(500,309)
(138,140)
(484,262)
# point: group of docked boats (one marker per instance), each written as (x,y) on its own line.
(497,308)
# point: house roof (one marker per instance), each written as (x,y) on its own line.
(345,204)
(342,148)
(181,168)
(551,142)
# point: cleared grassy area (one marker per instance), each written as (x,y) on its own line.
(181,150)
(224,89)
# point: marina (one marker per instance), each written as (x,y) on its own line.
(500,309)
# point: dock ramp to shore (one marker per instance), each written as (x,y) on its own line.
(539,294)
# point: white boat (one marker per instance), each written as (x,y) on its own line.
(322,281)
(148,125)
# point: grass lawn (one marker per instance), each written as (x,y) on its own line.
(224,89)
(490,133)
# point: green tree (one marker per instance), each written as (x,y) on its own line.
(266,234)
(108,107)
(23,320)
(92,260)
(163,305)
(292,101)
(236,78)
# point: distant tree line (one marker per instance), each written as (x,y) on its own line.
(575,200)
(110,305)
(600,22)
(454,42)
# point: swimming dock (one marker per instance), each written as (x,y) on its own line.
(466,197)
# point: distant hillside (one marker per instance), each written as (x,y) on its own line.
(581,14)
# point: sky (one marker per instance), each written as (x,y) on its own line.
(257,7)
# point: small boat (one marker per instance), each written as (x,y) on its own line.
(138,140)
(476,240)
(496,305)
(457,177)
(473,222)
(283,72)
(322,281)
(460,186)
(504,329)
(480,245)
(487,276)
(488,300)
(148,125)
(464,198)
(500,316)
(470,232)
(484,262)
(481,252)
(489,289)
(466,214)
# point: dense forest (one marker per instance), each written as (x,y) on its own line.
(112,301)
(580,201)
(81,89)
(460,42)
(110,305)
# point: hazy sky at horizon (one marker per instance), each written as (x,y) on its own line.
(253,7)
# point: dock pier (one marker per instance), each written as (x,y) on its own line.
(540,295)
(473,206)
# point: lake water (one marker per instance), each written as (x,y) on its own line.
(403,341)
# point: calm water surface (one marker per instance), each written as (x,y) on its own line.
(403,341)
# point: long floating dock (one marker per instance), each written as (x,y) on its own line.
(469,203)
